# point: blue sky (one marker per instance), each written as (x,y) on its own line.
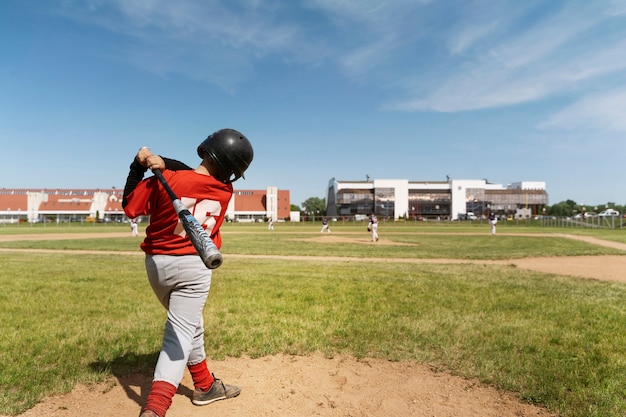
(505,90)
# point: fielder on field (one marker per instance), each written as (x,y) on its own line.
(325,226)
(493,221)
(373,227)
(178,276)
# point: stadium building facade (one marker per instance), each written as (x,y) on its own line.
(105,205)
(451,199)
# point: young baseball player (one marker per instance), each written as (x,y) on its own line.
(493,221)
(373,227)
(176,273)
(134,227)
(325,226)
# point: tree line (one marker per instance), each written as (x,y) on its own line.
(570,208)
(567,208)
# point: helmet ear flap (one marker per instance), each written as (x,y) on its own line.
(205,154)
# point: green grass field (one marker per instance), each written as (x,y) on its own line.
(556,341)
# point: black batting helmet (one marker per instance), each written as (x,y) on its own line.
(230,151)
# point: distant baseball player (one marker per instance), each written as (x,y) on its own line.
(134,228)
(176,273)
(373,227)
(325,226)
(493,220)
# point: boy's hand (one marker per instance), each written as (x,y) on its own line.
(146,158)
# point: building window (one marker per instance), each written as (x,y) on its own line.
(429,203)
(385,201)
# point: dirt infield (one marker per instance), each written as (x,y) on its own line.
(339,387)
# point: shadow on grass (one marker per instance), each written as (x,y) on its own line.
(134,374)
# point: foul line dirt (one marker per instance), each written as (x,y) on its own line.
(601,267)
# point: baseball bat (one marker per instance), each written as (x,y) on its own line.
(209,253)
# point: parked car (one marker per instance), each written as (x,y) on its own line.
(467,216)
(545,217)
(609,213)
(590,214)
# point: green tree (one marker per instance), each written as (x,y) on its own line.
(561,209)
(314,206)
(572,204)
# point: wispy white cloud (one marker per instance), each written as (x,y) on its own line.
(559,55)
(487,85)
(554,37)
(215,41)
(618,7)
(477,22)
(239,24)
(370,35)
(470,35)
(434,55)
(598,112)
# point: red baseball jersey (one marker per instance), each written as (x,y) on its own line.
(204,196)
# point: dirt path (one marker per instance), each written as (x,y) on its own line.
(285,386)
(607,267)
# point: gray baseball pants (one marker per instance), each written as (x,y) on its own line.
(181,283)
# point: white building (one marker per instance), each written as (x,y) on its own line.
(400,198)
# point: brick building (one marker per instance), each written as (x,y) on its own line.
(105,205)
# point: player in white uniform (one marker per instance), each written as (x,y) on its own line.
(373,226)
(493,220)
(325,226)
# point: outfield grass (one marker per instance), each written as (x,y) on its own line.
(555,341)
(410,241)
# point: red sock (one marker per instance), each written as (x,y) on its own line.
(202,378)
(160,397)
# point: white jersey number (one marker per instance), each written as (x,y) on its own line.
(204,211)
